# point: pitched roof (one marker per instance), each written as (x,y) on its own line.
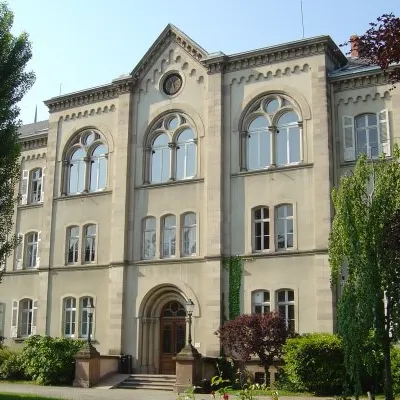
(34,128)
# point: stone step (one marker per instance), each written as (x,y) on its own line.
(149,381)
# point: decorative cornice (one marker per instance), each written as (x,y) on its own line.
(360,80)
(35,141)
(274,54)
(93,95)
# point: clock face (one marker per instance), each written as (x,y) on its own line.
(172,84)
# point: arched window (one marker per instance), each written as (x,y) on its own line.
(271,133)
(169,236)
(149,238)
(188,234)
(85,303)
(261,229)
(171,152)
(260,302)
(36,192)
(31,250)
(86,164)
(160,160)
(23,320)
(69,316)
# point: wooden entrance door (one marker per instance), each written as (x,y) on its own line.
(172,335)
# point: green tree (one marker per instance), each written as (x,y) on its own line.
(365,203)
(15,52)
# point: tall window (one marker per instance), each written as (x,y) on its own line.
(73,245)
(90,243)
(160,163)
(169,236)
(271,134)
(69,316)
(259,144)
(366,134)
(286,307)
(36,186)
(172,153)
(186,155)
(149,238)
(86,164)
(188,234)
(260,302)
(32,186)
(85,303)
(288,139)
(31,252)
(284,226)
(261,229)
(98,168)
(23,318)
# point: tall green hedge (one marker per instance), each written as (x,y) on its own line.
(314,363)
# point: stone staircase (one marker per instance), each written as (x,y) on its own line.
(152,382)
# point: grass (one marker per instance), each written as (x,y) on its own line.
(21,396)
(268,392)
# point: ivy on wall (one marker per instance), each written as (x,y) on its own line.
(234,265)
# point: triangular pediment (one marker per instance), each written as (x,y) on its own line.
(171,34)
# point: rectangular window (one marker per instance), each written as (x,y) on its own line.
(27,318)
(284,226)
(36,186)
(149,238)
(73,245)
(286,307)
(31,250)
(69,316)
(90,243)
(86,302)
(2,318)
(169,236)
(261,229)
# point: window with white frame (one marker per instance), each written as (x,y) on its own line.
(260,302)
(2,317)
(75,320)
(32,259)
(261,229)
(188,234)
(85,303)
(32,186)
(284,226)
(69,316)
(23,318)
(285,303)
(367,133)
(72,244)
(171,152)
(85,163)
(168,236)
(90,243)
(271,134)
(149,238)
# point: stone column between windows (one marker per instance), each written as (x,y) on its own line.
(273,130)
(144,350)
(152,325)
(64,179)
(88,162)
(172,161)
(322,157)
(302,139)
(147,164)
(244,163)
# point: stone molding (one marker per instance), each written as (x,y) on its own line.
(35,141)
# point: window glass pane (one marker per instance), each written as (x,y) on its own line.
(258,243)
(282,311)
(173,123)
(266,228)
(291,311)
(257,228)
(294,144)
(100,150)
(189,219)
(289,210)
(180,162)
(361,141)
(281,295)
(150,223)
(257,213)
(272,106)
(290,295)
(258,309)
(266,296)
(186,135)
(161,140)
(281,147)
(169,221)
(289,239)
(266,243)
(165,166)
(360,121)
(371,118)
(264,149)
(191,160)
(265,212)
(258,123)
(287,118)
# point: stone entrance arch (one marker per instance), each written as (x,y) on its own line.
(154,317)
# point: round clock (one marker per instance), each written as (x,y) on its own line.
(172,84)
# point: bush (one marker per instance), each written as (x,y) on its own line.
(5,353)
(395,362)
(314,363)
(12,365)
(50,360)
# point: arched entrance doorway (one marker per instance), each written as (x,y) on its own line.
(172,335)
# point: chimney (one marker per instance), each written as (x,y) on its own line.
(354,46)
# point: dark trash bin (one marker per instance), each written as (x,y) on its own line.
(125,364)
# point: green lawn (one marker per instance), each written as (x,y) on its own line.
(21,396)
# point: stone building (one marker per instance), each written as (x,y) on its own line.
(134,193)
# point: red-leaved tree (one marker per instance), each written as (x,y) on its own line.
(261,335)
(380,45)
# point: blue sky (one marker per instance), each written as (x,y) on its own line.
(84,43)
